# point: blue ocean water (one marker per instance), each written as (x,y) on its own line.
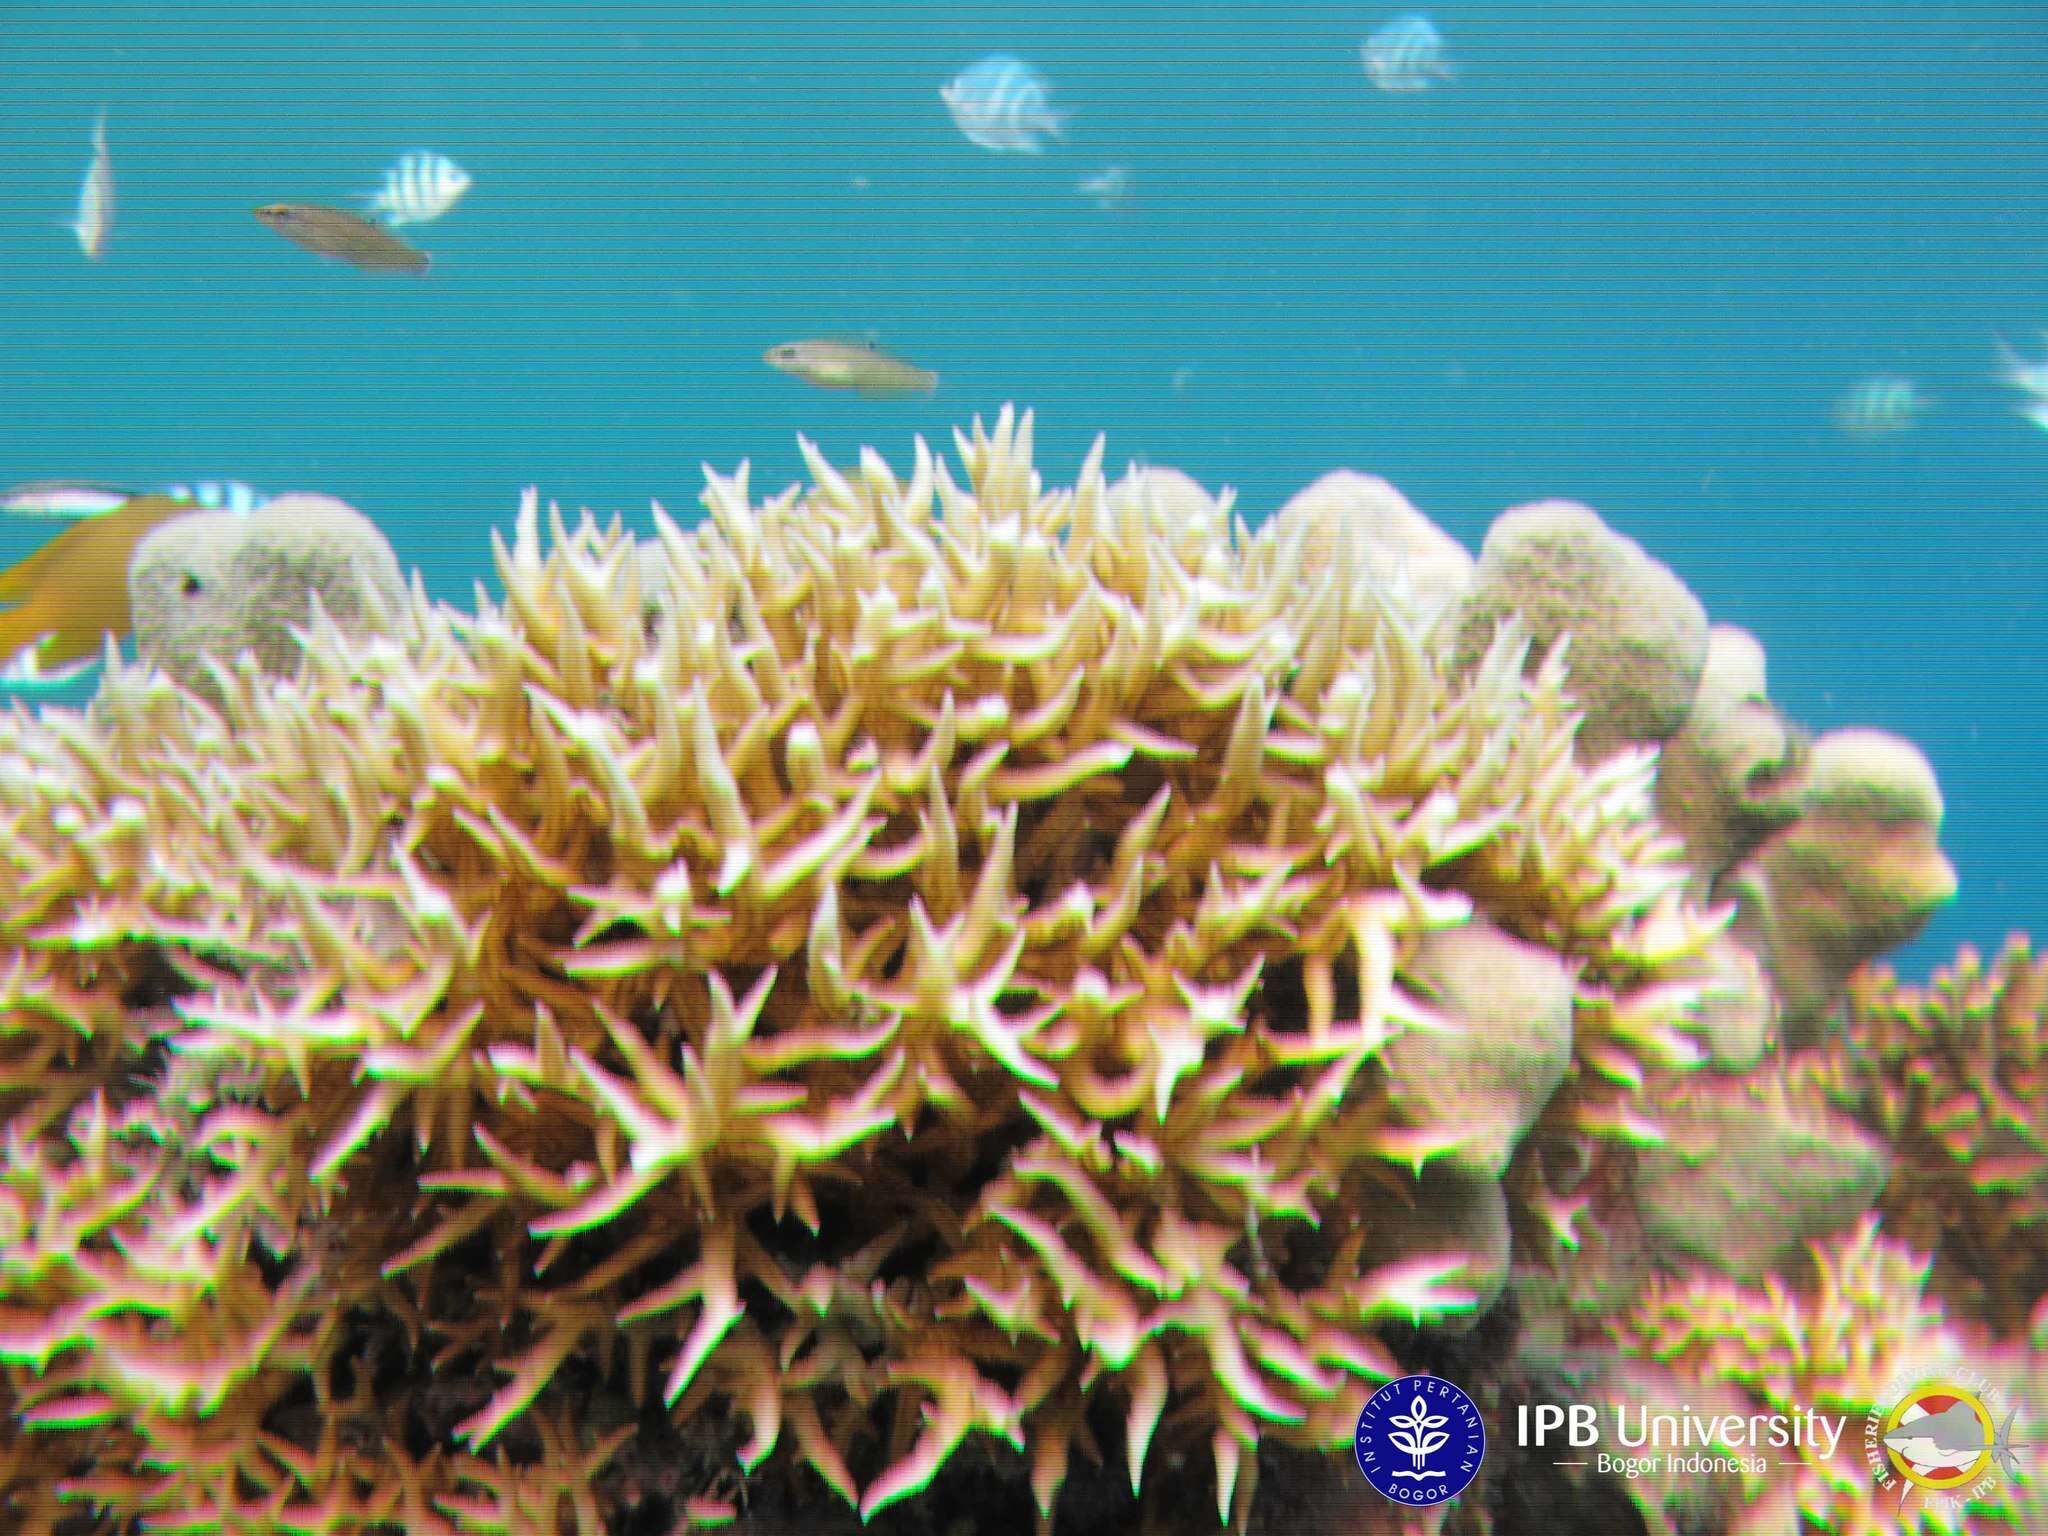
(1630,255)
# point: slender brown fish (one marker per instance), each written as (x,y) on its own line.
(857,365)
(344,236)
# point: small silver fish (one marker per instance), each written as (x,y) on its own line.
(1003,104)
(346,237)
(1112,189)
(61,498)
(1882,405)
(1953,1436)
(95,220)
(1406,55)
(860,366)
(419,188)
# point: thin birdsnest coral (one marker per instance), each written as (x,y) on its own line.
(1838,1346)
(908,962)
(1954,1075)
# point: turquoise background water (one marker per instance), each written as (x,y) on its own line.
(1629,256)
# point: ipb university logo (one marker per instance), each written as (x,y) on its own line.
(1420,1440)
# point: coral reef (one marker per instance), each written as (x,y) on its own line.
(1954,1077)
(936,1003)
(1724,778)
(1860,872)
(918,991)
(1838,1343)
(1748,1170)
(212,584)
(1637,636)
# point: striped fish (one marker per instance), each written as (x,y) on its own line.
(1003,104)
(95,220)
(419,188)
(1883,405)
(235,496)
(1406,55)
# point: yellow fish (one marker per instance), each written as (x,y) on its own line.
(67,597)
(857,365)
(335,232)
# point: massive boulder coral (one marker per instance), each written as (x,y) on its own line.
(208,585)
(898,987)
(1860,872)
(1637,635)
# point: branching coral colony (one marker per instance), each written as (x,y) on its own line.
(906,973)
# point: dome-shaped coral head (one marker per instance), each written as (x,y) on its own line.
(911,960)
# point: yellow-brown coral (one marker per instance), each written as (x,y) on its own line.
(909,962)
(1840,1346)
(1954,1075)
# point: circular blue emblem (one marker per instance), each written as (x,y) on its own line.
(1420,1440)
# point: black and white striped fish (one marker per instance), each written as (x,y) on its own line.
(419,188)
(236,496)
(1406,55)
(1003,103)
(1883,405)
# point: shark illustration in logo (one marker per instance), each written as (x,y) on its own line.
(1953,1437)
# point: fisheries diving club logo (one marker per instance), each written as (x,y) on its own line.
(1944,1438)
(1420,1440)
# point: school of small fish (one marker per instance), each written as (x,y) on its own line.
(58,605)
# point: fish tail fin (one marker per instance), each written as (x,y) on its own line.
(2012,368)
(2002,1448)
